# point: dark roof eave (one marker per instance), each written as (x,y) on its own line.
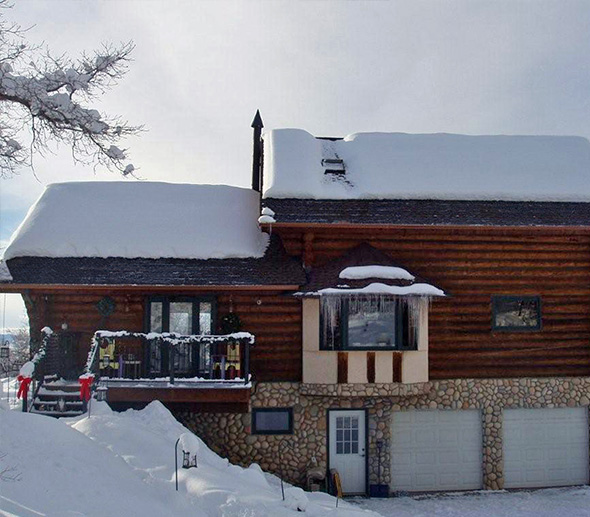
(18,288)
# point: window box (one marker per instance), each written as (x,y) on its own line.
(516,313)
(272,421)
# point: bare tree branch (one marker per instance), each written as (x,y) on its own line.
(45,98)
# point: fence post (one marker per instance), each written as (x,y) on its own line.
(171,350)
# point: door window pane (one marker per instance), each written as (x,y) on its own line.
(181,317)
(205,318)
(347,435)
(156,317)
(371,325)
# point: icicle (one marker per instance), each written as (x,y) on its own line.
(331,308)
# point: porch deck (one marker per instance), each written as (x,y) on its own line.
(136,368)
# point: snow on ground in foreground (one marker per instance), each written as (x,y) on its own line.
(117,464)
(557,502)
(8,391)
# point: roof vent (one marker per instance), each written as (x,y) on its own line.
(334,166)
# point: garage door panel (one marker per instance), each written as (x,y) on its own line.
(436,450)
(545,447)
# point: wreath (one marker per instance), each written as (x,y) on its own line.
(230,323)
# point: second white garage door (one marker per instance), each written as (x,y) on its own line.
(545,447)
(436,450)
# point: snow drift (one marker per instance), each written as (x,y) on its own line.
(426,166)
(123,464)
(141,219)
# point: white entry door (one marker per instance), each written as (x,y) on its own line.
(436,450)
(545,447)
(347,449)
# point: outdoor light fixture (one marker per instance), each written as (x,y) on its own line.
(187,461)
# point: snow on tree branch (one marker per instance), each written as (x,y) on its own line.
(44,99)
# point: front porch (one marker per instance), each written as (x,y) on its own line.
(131,369)
(134,368)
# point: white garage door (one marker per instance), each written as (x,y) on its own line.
(545,447)
(436,450)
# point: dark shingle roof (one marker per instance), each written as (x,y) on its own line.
(430,212)
(275,268)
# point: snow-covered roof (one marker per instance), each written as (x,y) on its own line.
(141,219)
(426,166)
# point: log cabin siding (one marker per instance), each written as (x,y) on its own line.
(473,264)
(275,323)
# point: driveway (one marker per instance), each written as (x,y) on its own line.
(555,502)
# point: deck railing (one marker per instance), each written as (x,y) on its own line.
(167,356)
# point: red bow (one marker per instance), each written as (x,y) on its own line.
(85,383)
(23,388)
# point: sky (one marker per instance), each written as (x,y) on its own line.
(202,68)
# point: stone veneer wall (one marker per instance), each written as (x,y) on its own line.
(229,434)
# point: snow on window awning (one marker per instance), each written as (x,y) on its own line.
(426,166)
(141,220)
(372,271)
(365,271)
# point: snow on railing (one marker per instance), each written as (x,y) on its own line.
(27,371)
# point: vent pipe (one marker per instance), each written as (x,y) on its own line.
(257,153)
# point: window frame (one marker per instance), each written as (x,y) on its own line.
(195,300)
(498,298)
(401,329)
(257,410)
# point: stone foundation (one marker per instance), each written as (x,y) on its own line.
(230,434)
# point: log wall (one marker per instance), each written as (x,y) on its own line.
(472,264)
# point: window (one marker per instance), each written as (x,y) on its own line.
(4,352)
(367,324)
(516,313)
(184,316)
(272,421)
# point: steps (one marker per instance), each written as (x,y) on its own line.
(58,398)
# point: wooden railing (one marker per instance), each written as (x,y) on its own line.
(142,356)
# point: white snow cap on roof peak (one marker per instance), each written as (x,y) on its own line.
(134,219)
(426,166)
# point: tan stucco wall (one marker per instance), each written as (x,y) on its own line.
(320,367)
(311,324)
(357,367)
(383,369)
(415,366)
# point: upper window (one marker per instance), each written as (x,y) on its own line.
(367,324)
(516,313)
(181,315)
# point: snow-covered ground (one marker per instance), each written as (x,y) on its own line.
(119,464)
(557,502)
(8,391)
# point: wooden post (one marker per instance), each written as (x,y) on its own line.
(171,352)
(246,361)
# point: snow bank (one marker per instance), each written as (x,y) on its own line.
(123,464)
(427,166)
(141,219)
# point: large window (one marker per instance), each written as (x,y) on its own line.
(516,313)
(367,324)
(184,316)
